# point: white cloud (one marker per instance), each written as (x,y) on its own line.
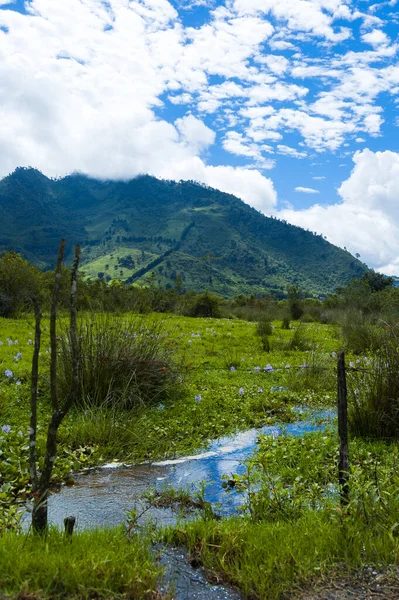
(195,134)
(248,184)
(306,190)
(367,220)
(375,38)
(374,182)
(288,151)
(87,84)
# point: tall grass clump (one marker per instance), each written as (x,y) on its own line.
(122,363)
(359,333)
(317,374)
(374,406)
(264,329)
(299,340)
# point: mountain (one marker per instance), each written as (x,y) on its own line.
(129,230)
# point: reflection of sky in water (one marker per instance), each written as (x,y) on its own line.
(103,497)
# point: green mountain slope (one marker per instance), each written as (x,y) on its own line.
(132,229)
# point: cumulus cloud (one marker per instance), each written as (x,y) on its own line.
(194,133)
(116,88)
(367,220)
(375,37)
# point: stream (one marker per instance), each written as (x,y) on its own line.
(102,497)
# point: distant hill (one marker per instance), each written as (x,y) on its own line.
(166,231)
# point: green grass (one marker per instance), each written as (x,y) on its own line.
(268,559)
(205,350)
(291,529)
(102,564)
(109,263)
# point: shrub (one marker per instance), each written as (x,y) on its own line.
(206,305)
(285,323)
(18,281)
(123,363)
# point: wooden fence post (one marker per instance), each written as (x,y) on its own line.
(343,463)
(69,524)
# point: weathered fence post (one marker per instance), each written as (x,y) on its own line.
(343,463)
(69,524)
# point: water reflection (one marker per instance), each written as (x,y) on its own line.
(102,497)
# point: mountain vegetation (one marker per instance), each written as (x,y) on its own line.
(166,233)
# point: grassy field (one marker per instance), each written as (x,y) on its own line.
(292,528)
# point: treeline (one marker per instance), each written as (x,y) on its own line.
(371,296)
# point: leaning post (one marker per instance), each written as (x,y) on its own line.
(343,463)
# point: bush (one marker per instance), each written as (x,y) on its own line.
(122,363)
(206,305)
(18,281)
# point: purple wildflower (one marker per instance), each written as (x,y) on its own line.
(232,369)
(198,398)
(268,368)
(256,368)
(260,390)
(8,373)
(241,391)
(6,428)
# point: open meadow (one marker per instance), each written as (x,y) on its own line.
(206,378)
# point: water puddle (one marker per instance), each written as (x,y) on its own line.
(103,497)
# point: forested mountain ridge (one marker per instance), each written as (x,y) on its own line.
(175,233)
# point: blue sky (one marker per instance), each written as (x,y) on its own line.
(292,105)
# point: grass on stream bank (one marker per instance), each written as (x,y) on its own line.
(230,381)
(95,564)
